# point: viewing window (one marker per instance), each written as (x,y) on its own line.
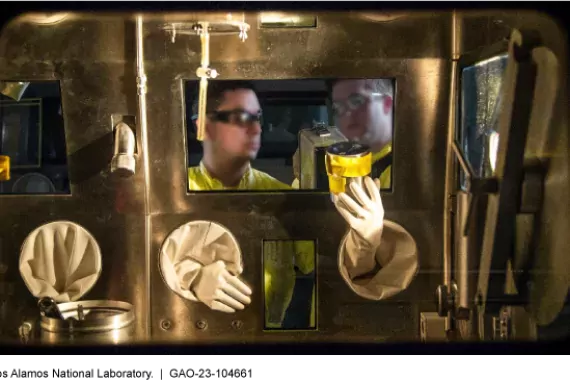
(32,139)
(480,105)
(254,131)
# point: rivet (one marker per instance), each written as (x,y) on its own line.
(237,324)
(165,324)
(201,325)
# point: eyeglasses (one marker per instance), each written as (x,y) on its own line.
(239,117)
(353,102)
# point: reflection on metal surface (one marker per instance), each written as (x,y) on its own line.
(99,321)
(286,20)
(493,150)
(14,90)
(4,168)
(290,285)
(90,317)
(380,16)
(123,161)
(45,18)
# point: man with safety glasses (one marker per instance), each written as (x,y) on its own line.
(233,139)
(363,110)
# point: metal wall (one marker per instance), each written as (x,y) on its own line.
(342,46)
(94,58)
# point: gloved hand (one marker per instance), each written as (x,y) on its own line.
(366,221)
(366,217)
(220,290)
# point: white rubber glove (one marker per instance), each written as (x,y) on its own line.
(366,221)
(220,290)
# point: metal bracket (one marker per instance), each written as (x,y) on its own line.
(432,327)
(502,325)
(519,184)
(516,188)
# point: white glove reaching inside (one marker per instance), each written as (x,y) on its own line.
(366,221)
(366,218)
(220,290)
(377,258)
(200,261)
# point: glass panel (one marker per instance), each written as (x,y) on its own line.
(255,131)
(32,138)
(480,88)
(289,278)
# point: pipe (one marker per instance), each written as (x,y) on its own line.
(450,167)
(141,89)
(203,73)
(462,252)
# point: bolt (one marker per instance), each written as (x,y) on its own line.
(24,331)
(201,325)
(237,324)
(165,324)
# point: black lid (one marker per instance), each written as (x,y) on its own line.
(348,148)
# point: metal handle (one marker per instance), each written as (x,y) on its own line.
(123,160)
(475,185)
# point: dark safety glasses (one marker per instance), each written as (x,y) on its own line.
(238,117)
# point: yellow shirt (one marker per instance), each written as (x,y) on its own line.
(200,179)
(282,255)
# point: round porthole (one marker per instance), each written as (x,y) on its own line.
(60,260)
(192,245)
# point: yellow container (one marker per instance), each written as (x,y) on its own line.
(345,160)
(4,168)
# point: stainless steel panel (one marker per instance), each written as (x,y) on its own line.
(341,315)
(92,57)
(340,47)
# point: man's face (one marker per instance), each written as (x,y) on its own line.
(234,128)
(361,114)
